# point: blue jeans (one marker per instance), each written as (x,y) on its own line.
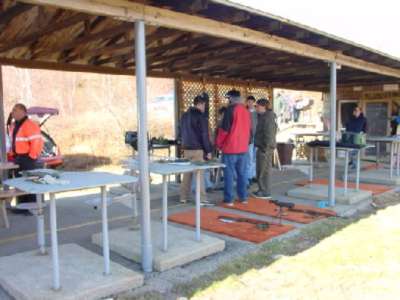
(235,163)
(251,162)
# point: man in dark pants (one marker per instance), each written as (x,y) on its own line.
(194,135)
(26,144)
(265,142)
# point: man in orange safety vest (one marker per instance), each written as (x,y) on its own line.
(26,144)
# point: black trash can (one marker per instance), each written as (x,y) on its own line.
(285,152)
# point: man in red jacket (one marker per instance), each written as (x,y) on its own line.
(233,140)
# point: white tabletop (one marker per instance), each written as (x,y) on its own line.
(8,166)
(76,181)
(389,139)
(348,148)
(319,133)
(172,168)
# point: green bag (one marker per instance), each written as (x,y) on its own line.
(354,138)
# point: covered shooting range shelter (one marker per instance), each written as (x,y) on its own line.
(192,39)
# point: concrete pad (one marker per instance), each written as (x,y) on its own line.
(319,192)
(380,176)
(28,275)
(182,246)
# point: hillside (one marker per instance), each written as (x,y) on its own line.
(95,109)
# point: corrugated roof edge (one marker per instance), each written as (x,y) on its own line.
(302,26)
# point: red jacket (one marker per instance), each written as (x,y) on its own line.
(233,136)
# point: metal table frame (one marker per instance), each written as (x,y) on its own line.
(394,151)
(165,170)
(300,139)
(346,167)
(52,190)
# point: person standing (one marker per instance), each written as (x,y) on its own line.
(195,139)
(251,159)
(265,142)
(26,144)
(356,124)
(233,140)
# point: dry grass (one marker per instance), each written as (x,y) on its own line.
(359,261)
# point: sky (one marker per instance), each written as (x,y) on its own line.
(371,23)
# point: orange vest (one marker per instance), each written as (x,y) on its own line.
(28,140)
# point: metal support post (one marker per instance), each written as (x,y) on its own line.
(2,122)
(165,212)
(332,166)
(40,225)
(358,170)
(54,243)
(391,159)
(198,179)
(140,60)
(311,164)
(346,171)
(104,221)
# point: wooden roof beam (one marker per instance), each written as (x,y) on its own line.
(132,11)
(25,41)
(119,29)
(13,12)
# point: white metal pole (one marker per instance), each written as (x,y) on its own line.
(165,212)
(140,60)
(358,170)
(198,179)
(391,159)
(346,171)
(397,158)
(104,221)
(54,243)
(311,164)
(40,225)
(332,167)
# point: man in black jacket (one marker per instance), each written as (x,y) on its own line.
(356,124)
(195,139)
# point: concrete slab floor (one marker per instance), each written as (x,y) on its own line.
(319,192)
(28,275)
(379,176)
(78,222)
(182,246)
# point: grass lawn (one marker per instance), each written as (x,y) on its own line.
(356,258)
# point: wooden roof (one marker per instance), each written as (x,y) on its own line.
(43,36)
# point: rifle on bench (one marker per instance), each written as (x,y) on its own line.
(292,207)
(259,224)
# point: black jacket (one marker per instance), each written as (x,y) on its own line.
(357,125)
(193,131)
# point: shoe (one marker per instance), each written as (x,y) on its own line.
(244,201)
(230,204)
(183,201)
(262,195)
(209,190)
